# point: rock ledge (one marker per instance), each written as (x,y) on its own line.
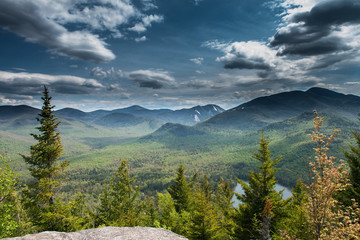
(107,233)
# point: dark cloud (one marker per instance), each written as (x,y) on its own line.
(310,33)
(31,84)
(199,84)
(272,80)
(327,61)
(245,63)
(319,47)
(154,84)
(152,79)
(335,12)
(27,19)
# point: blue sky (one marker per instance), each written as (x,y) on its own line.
(174,53)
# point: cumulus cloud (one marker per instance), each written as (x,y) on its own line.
(146,22)
(24,83)
(112,74)
(248,55)
(47,22)
(141,39)
(198,60)
(152,79)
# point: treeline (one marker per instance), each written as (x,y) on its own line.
(325,208)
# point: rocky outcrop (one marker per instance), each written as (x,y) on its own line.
(107,233)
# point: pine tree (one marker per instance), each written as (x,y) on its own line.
(257,194)
(180,191)
(39,197)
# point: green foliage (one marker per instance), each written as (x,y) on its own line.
(319,213)
(296,223)
(119,203)
(45,211)
(225,210)
(261,189)
(168,217)
(353,159)
(203,221)
(13,221)
(180,191)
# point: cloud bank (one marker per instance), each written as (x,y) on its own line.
(30,84)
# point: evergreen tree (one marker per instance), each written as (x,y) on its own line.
(224,205)
(296,224)
(39,197)
(180,190)
(119,203)
(258,194)
(353,159)
(203,222)
(13,220)
(169,218)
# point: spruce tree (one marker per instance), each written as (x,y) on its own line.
(180,190)
(39,197)
(119,203)
(353,159)
(224,206)
(203,223)
(258,195)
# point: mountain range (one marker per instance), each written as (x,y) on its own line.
(270,109)
(156,141)
(123,117)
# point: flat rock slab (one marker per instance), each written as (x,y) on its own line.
(107,233)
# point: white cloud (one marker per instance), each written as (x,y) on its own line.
(141,39)
(146,22)
(7,101)
(154,79)
(139,27)
(111,74)
(198,60)
(249,55)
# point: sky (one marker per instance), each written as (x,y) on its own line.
(108,54)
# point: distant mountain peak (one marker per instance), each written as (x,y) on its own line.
(262,111)
(322,91)
(136,107)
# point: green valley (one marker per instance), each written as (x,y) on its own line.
(218,146)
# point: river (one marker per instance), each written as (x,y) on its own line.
(238,189)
